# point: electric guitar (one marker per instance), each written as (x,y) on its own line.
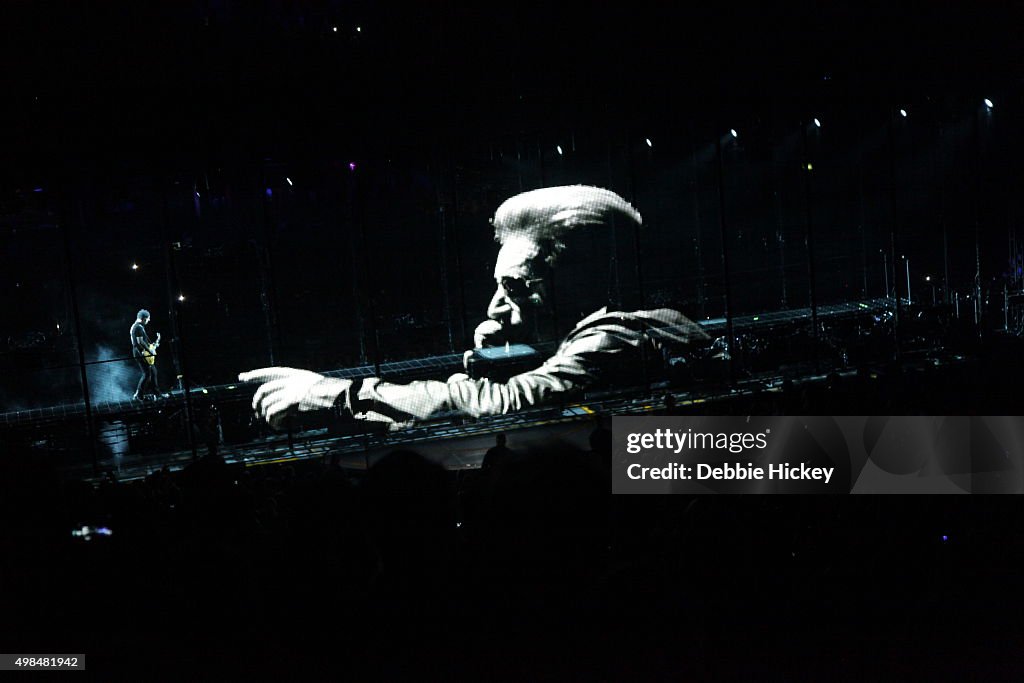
(150,356)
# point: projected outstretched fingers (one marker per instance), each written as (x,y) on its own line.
(286,391)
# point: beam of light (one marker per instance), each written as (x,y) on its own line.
(290,182)
(648,141)
(732,131)
(817,123)
(903,113)
(988,103)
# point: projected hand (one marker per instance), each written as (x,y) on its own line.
(489,333)
(286,391)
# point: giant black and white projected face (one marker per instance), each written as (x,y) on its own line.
(531,227)
(520,304)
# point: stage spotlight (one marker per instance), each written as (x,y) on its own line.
(290,182)
(732,132)
(648,141)
(988,103)
(135,266)
(559,148)
(181,297)
(927,278)
(334,28)
(352,166)
(359,29)
(903,113)
(817,123)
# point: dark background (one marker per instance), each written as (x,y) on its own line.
(165,135)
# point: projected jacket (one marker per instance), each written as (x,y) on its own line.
(604,349)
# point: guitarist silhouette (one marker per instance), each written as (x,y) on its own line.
(144,353)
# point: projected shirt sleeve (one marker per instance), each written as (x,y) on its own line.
(577,364)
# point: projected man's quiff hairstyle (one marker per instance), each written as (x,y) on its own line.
(548,214)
